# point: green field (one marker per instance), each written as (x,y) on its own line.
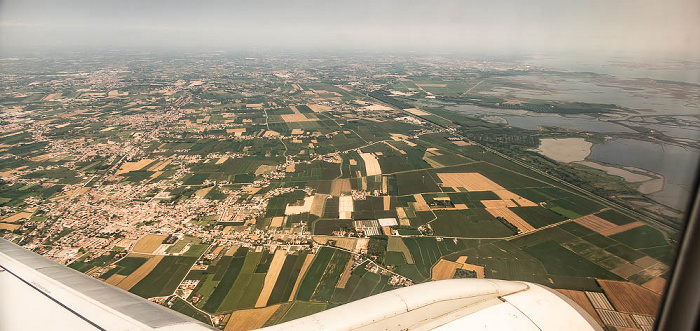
(314,273)
(357,287)
(229,276)
(130,264)
(246,288)
(301,309)
(331,275)
(164,278)
(476,223)
(538,216)
(287,277)
(615,217)
(181,306)
(560,261)
(180,244)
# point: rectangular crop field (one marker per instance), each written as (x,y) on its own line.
(139,273)
(148,243)
(165,277)
(560,261)
(314,273)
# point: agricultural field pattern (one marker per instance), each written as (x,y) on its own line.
(248,190)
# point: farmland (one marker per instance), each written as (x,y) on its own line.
(246,191)
(164,278)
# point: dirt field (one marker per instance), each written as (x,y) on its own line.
(444,270)
(656,285)
(631,298)
(12,172)
(159,166)
(346,243)
(250,319)
(498,203)
(595,223)
(581,299)
(461,206)
(371,164)
(626,270)
(471,181)
(387,202)
(136,276)
(403,219)
(264,169)
(416,112)
(305,208)
(462,143)
(133,166)
(203,191)
(319,108)
(115,279)
(271,277)
(277,222)
(345,207)
(508,195)
(297,116)
(16,217)
(221,160)
(156,174)
(396,244)
(604,227)
(217,250)
(511,217)
(291,168)
(318,204)
(646,262)
(340,186)
(10,227)
(237,131)
(148,243)
(622,228)
(420,204)
(270,133)
(307,263)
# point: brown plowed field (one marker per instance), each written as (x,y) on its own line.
(581,299)
(631,298)
(472,181)
(511,217)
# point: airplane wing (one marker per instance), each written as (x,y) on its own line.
(456,304)
(39,293)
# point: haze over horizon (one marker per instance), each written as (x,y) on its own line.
(505,27)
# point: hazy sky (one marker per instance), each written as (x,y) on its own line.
(499,26)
